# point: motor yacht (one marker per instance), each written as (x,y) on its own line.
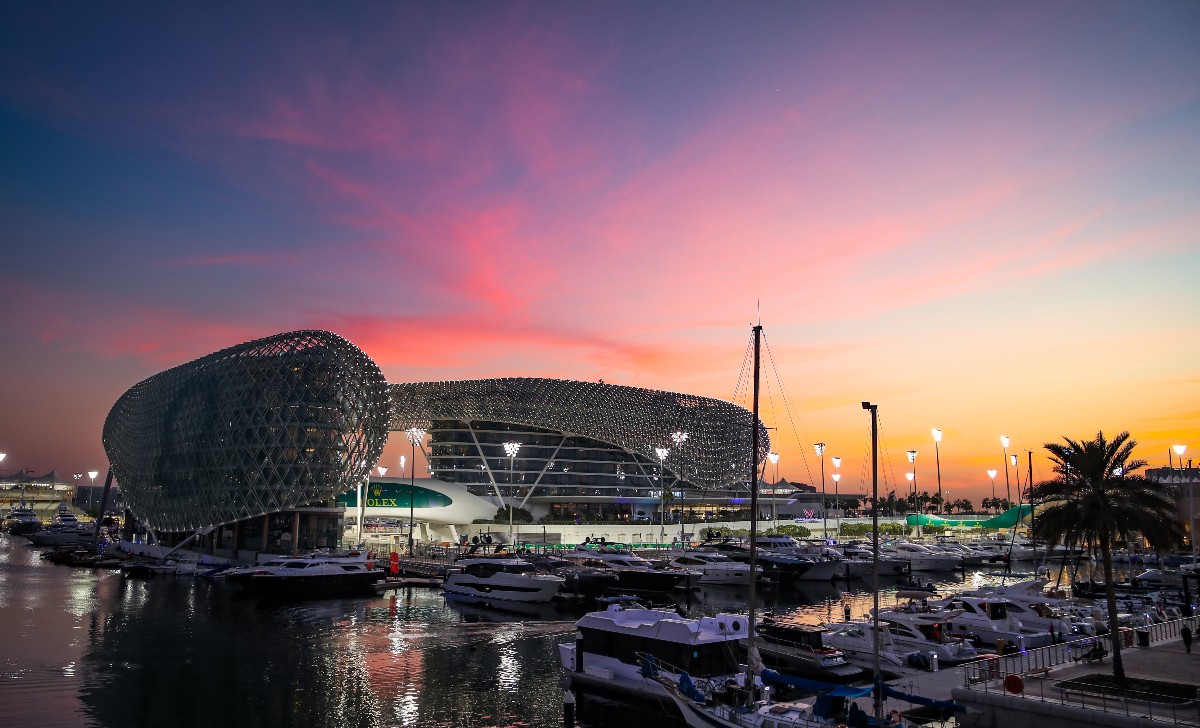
(798,649)
(501,578)
(923,558)
(608,645)
(856,640)
(315,576)
(633,572)
(715,568)
(988,620)
(927,633)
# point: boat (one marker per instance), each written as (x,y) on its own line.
(578,580)
(926,633)
(855,640)
(799,649)
(505,578)
(62,536)
(21,521)
(715,568)
(987,621)
(315,576)
(634,574)
(609,644)
(922,558)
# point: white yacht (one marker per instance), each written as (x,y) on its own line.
(857,643)
(800,649)
(501,578)
(610,645)
(820,569)
(715,568)
(927,632)
(990,621)
(923,558)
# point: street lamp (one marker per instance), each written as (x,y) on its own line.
(1017,472)
(415,435)
(837,512)
(92,477)
(679,437)
(912,458)
(662,454)
(937,455)
(1004,442)
(774,458)
(77,477)
(820,448)
(1179,450)
(511,449)
(402,461)
(992,475)
(837,502)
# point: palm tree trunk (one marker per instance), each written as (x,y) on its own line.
(1110,592)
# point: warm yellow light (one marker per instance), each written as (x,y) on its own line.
(937,435)
(820,448)
(992,473)
(837,462)
(1004,440)
(1179,450)
(836,477)
(912,456)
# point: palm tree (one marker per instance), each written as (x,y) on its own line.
(1097,501)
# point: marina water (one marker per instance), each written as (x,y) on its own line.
(90,648)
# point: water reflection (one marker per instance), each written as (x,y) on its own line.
(89,648)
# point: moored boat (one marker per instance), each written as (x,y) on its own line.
(504,578)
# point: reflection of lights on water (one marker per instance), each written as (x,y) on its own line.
(69,670)
(407,706)
(509,673)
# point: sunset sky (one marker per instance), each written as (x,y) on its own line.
(983,217)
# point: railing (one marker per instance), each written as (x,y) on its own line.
(1033,667)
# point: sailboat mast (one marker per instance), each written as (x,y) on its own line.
(754,492)
(874,409)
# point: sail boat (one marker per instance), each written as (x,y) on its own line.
(748,703)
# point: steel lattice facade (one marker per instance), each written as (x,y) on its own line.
(610,434)
(258,428)
(299,418)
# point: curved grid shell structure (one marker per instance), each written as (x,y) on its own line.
(271,424)
(716,453)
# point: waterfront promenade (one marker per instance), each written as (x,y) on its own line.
(1041,701)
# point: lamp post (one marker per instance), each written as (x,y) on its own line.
(992,475)
(77,477)
(1179,450)
(382,472)
(1004,442)
(662,454)
(415,435)
(937,456)
(820,448)
(92,488)
(837,512)
(679,437)
(511,449)
(912,458)
(774,458)
(1017,472)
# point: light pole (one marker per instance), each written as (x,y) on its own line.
(92,489)
(1017,472)
(937,456)
(774,458)
(1179,450)
(662,454)
(912,479)
(837,512)
(992,475)
(415,435)
(382,472)
(820,448)
(1004,441)
(679,437)
(511,449)
(77,477)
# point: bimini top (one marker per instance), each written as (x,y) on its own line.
(716,453)
(257,428)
